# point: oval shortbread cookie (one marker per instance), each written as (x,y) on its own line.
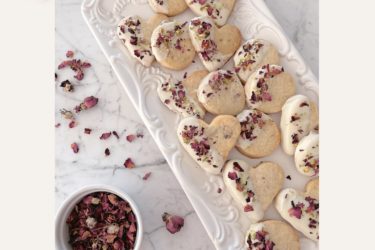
(272,235)
(171,45)
(221,93)
(218,10)
(253,54)
(181,96)
(312,188)
(259,136)
(209,144)
(215,46)
(135,34)
(253,187)
(268,88)
(306,156)
(168,7)
(301,210)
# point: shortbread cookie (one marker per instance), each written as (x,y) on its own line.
(272,234)
(314,120)
(209,144)
(295,123)
(168,7)
(217,10)
(268,88)
(221,93)
(306,156)
(135,33)
(171,45)
(253,187)
(181,96)
(253,54)
(259,136)
(301,210)
(214,45)
(312,188)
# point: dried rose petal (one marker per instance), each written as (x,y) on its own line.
(219,190)
(146,176)
(75,147)
(296,210)
(57,125)
(232,175)
(88,131)
(69,53)
(106,152)
(129,163)
(174,223)
(139,135)
(130,138)
(115,134)
(105,136)
(67,86)
(72,124)
(248,208)
(87,103)
(76,65)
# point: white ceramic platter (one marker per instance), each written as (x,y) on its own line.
(221,217)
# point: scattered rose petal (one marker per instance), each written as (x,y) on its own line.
(88,131)
(74,147)
(174,223)
(69,54)
(105,136)
(56,76)
(130,138)
(248,208)
(106,152)
(67,86)
(146,176)
(87,103)
(129,163)
(57,125)
(72,124)
(219,190)
(139,134)
(289,178)
(76,65)
(67,114)
(115,134)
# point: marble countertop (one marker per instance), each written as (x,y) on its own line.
(114,112)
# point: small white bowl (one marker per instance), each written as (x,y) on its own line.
(61,228)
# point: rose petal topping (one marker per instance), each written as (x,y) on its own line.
(74,147)
(105,136)
(129,163)
(146,176)
(130,138)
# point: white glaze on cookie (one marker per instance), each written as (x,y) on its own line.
(306,156)
(166,35)
(214,9)
(258,238)
(236,179)
(129,31)
(257,89)
(193,136)
(176,97)
(202,34)
(295,122)
(300,210)
(249,57)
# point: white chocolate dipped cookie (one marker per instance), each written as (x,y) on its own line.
(253,54)
(218,10)
(301,210)
(181,96)
(253,187)
(221,93)
(306,156)
(296,118)
(215,46)
(268,88)
(259,136)
(171,45)
(209,144)
(168,7)
(135,34)
(272,235)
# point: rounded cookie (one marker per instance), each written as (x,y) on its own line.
(306,156)
(253,54)
(172,46)
(221,93)
(168,7)
(312,188)
(259,136)
(268,88)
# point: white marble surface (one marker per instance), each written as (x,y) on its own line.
(161,192)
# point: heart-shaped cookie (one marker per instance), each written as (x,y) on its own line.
(253,54)
(272,234)
(181,96)
(297,116)
(171,45)
(301,210)
(135,34)
(253,187)
(268,88)
(168,7)
(214,45)
(259,136)
(222,93)
(306,156)
(218,10)
(209,144)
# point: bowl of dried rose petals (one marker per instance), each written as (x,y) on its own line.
(98,217)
